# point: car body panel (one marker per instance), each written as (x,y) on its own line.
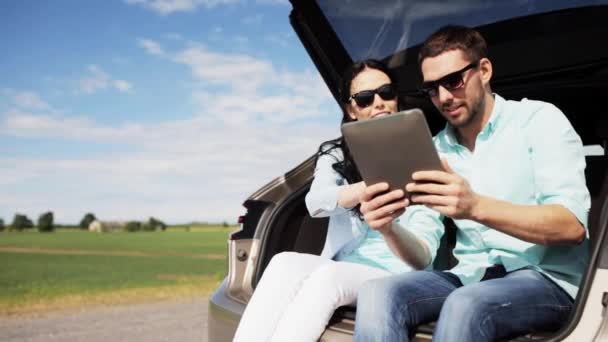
(223,315)
(242,255)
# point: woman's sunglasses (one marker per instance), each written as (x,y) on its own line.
(451,81)
(366,97)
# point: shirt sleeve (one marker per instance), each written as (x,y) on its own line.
(558,159)
(322,198)
(425,224)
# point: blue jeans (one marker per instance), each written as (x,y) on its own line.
(512,304)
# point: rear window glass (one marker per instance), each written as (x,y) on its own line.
(378,29)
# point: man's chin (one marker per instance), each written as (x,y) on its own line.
(454,120)
(459,122)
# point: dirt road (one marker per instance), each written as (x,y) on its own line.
(153,322)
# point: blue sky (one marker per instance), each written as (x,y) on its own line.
(177,109)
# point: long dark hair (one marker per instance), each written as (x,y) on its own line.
(346,167)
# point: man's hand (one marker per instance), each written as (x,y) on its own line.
(445,192)
(379,209)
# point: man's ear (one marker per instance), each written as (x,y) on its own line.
(485,70)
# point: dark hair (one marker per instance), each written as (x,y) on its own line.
(346,167)
(453,37)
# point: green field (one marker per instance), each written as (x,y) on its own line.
(70,268)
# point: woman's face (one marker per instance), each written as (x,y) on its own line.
(370,79)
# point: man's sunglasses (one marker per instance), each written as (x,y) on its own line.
(451,81)
(366,97)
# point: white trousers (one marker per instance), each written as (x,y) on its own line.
(298,294)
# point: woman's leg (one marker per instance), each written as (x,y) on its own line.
(332,285)
(279,284)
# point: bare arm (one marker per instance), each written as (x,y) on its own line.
(407,246)
(328,195)
(542,224)
(380,210)
(451,195)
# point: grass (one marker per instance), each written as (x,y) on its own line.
(209,241)
(67,268)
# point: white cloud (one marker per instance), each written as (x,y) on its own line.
(180,171)
(151,47)
(30,100)
(165,7)
(237,70)
(122,86)
(254,121)
(294,95)
(28,124)
(97,80)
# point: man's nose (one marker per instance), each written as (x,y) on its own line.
(444,95)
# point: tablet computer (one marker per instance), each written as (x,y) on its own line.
(392,147)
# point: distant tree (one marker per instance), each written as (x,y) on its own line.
(158,224)
(147,226)
(225,224)
(132,226)
(154,224)
(21,222)
(45,222)
(86,221)
(1,224)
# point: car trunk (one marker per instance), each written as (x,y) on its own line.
(551,54)
(555,57)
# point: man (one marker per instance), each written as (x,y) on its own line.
(513,183)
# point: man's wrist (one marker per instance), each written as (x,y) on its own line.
(477,210)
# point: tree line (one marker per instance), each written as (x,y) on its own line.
(46,223)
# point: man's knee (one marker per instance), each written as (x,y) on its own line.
(375,304)
(380,287)
(467,303)
(383,296)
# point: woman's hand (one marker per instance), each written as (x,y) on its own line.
(350,195)
(380,208)
(445,192)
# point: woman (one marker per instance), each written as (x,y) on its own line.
(298,292)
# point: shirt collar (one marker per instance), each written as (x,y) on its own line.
(488,129)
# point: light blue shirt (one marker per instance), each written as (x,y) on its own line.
(529,154)
(373,251)
(348,237)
